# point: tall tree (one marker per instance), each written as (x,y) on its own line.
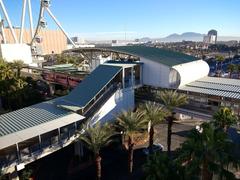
(6,72)
(18,65)
(238,70)
(154,114)
(131,123)
(220,60)
(207,151)
(171,99)
(230,68)
(96,137)
(224,118)
(160,166)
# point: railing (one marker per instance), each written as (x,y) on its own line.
(42,149)
(101,100)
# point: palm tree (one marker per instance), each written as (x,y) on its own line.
(231,68)
(18,91)
(97,137)
(18,65)
(159,166)
(26,174)
(154,114)
(6,72)
(224,118)
(238,70)
(131,123)
(171,99)
(220,59)
(2,62)
(207,151)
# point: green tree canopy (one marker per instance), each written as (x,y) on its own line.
(131,123)
(95,138)
(224,118)
(206,152)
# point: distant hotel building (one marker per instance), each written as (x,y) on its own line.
(79,42)
(211,37)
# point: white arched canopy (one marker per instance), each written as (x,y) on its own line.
(183,74)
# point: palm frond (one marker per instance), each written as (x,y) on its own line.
(172,99)
(131,122)
(153,113)
(97,136)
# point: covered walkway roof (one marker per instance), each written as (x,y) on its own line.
(214,86)
(32,121)
(89,87)
(159,55)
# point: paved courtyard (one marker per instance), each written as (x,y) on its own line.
(114,161)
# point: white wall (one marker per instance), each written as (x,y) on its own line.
(192,71)
(100,60)
(11,52)
(121,100)
(160,75)
(155,74)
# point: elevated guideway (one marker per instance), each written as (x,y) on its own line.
(39,130)
(103,94)
(91,89)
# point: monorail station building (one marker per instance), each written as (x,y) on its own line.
(36,131)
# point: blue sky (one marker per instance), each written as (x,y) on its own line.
(109,19)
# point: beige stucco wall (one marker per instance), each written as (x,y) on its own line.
(53,40)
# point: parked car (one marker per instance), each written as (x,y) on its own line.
(156,148)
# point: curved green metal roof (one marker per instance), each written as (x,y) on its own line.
(159,55)
(80,96)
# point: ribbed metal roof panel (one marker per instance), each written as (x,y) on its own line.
(90,86)
(29,117)
(223,87)
(220,80)
(163,56)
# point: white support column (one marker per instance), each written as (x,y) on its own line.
(30,18)
(2,29)
(123,78)
(22,20)
(75,126)
(38,24)
(132,78)
(9,22)
(18,153)
(78,148)
(59,136)
(52,88)
(59,25)
(40,141)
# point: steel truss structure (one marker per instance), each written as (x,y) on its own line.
(41,23)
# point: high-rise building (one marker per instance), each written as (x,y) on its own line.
(211,37)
